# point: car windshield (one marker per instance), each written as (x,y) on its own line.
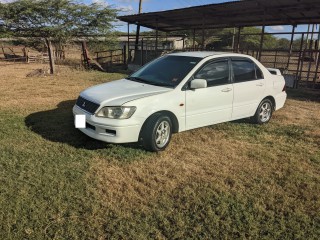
(167,71)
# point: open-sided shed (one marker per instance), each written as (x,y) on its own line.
(231,14)
(235,14)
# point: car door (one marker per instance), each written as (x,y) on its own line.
(248,85)
(212,104)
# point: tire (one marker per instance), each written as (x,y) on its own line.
(264,112)
(156,133)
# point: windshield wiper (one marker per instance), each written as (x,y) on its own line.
(164,84)
(137,79)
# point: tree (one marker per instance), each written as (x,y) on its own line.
(283,44)
(58,20)
(2,29)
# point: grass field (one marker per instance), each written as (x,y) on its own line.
(231,180)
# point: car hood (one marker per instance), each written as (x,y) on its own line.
(121,91)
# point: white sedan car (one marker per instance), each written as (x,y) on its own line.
(179,92)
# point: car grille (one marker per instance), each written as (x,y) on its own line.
(87,105)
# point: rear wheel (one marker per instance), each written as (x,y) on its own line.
(264,112)
(156,133)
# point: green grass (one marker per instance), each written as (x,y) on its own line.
(247,181)
(40,184)
(200,211)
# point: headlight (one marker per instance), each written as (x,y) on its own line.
(116,112)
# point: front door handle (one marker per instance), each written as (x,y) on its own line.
(259,84)
(226,90)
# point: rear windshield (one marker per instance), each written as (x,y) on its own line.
(167,71)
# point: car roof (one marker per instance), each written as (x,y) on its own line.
(204,54)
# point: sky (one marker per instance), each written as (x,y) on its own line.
(129,7)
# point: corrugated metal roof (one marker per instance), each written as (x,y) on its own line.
(231,14)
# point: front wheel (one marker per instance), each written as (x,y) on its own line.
(156,133)
(264,112)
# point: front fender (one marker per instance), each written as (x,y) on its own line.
(171,102)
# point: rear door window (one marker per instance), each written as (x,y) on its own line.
(245,70)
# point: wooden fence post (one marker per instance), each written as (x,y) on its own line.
(85,55)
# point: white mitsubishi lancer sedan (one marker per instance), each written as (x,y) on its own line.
(179,92)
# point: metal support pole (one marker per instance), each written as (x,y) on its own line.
(183,43)
(137,38)
(261,42)
(313,25)
(291,44)
(308,35)
(138,28)
(310,63)
(300,61)
(167,40)
(318,46)
(128,42)
(124,54)
(301,65)
(318,35)
(233,38)
(194,39)
(317,68)
(142,60)
(310,54)
(238,40)
(156,47)
(202,47)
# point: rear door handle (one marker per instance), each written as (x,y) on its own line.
(259,84)
(226,90)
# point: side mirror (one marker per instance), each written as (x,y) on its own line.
(198,83)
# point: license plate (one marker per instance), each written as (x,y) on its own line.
(80,121)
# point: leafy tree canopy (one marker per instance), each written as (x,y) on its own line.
(56,19)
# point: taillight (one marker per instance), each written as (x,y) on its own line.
(284,88)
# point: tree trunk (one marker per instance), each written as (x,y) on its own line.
(51,59)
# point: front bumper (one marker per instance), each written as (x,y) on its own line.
(110,130)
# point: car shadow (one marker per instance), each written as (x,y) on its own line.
(57,125)
(304,95)
(243,120)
